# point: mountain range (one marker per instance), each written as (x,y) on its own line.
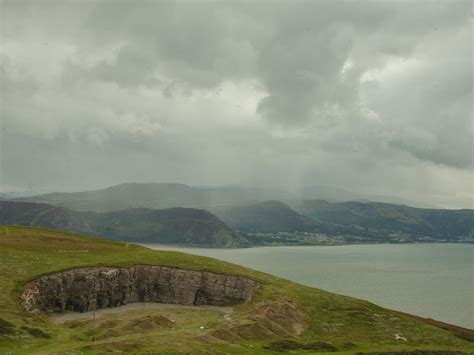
(166,195)
(153,195)
(134,211)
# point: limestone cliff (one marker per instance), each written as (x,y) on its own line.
(90,288)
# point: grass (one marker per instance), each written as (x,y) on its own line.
(332,321)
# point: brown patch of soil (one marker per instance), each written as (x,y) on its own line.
(270,319)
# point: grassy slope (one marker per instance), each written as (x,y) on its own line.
(26,253)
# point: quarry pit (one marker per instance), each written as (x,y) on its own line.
(90,288)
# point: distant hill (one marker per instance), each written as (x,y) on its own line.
(334,194)
(268,216)
(43,215)
(242,208)
(167,226)
(152,195)
(435,223)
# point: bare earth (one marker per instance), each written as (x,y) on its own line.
(66,317)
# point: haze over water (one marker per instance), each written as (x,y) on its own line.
(430,280)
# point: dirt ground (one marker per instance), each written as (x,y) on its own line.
(69,316)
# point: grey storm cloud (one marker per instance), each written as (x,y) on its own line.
(282,92)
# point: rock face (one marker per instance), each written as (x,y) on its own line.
(86,289)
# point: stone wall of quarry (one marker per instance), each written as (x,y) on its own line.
(86,289)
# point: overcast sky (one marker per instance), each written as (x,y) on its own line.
(370,96)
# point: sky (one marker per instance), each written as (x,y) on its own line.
(371,96)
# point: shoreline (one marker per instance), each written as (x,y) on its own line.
(194,246)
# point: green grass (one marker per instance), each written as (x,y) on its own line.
(27,253)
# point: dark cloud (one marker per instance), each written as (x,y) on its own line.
(281,93)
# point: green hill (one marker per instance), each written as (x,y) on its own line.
(414,222)
(168,226)
(281,316)
(267,217)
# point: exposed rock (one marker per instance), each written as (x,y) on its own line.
(90,288)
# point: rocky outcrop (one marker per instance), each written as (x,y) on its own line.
(90,288)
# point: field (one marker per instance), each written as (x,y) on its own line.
(328,322)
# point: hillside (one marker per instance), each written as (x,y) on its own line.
(279,316)
(168,226)
(186,226)
(413,222)
(268,216)
(152,195)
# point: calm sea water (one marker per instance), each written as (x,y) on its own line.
(430,280)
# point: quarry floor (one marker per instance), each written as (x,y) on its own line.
(133,307)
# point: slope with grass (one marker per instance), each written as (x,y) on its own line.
(282,316)
(185,226)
